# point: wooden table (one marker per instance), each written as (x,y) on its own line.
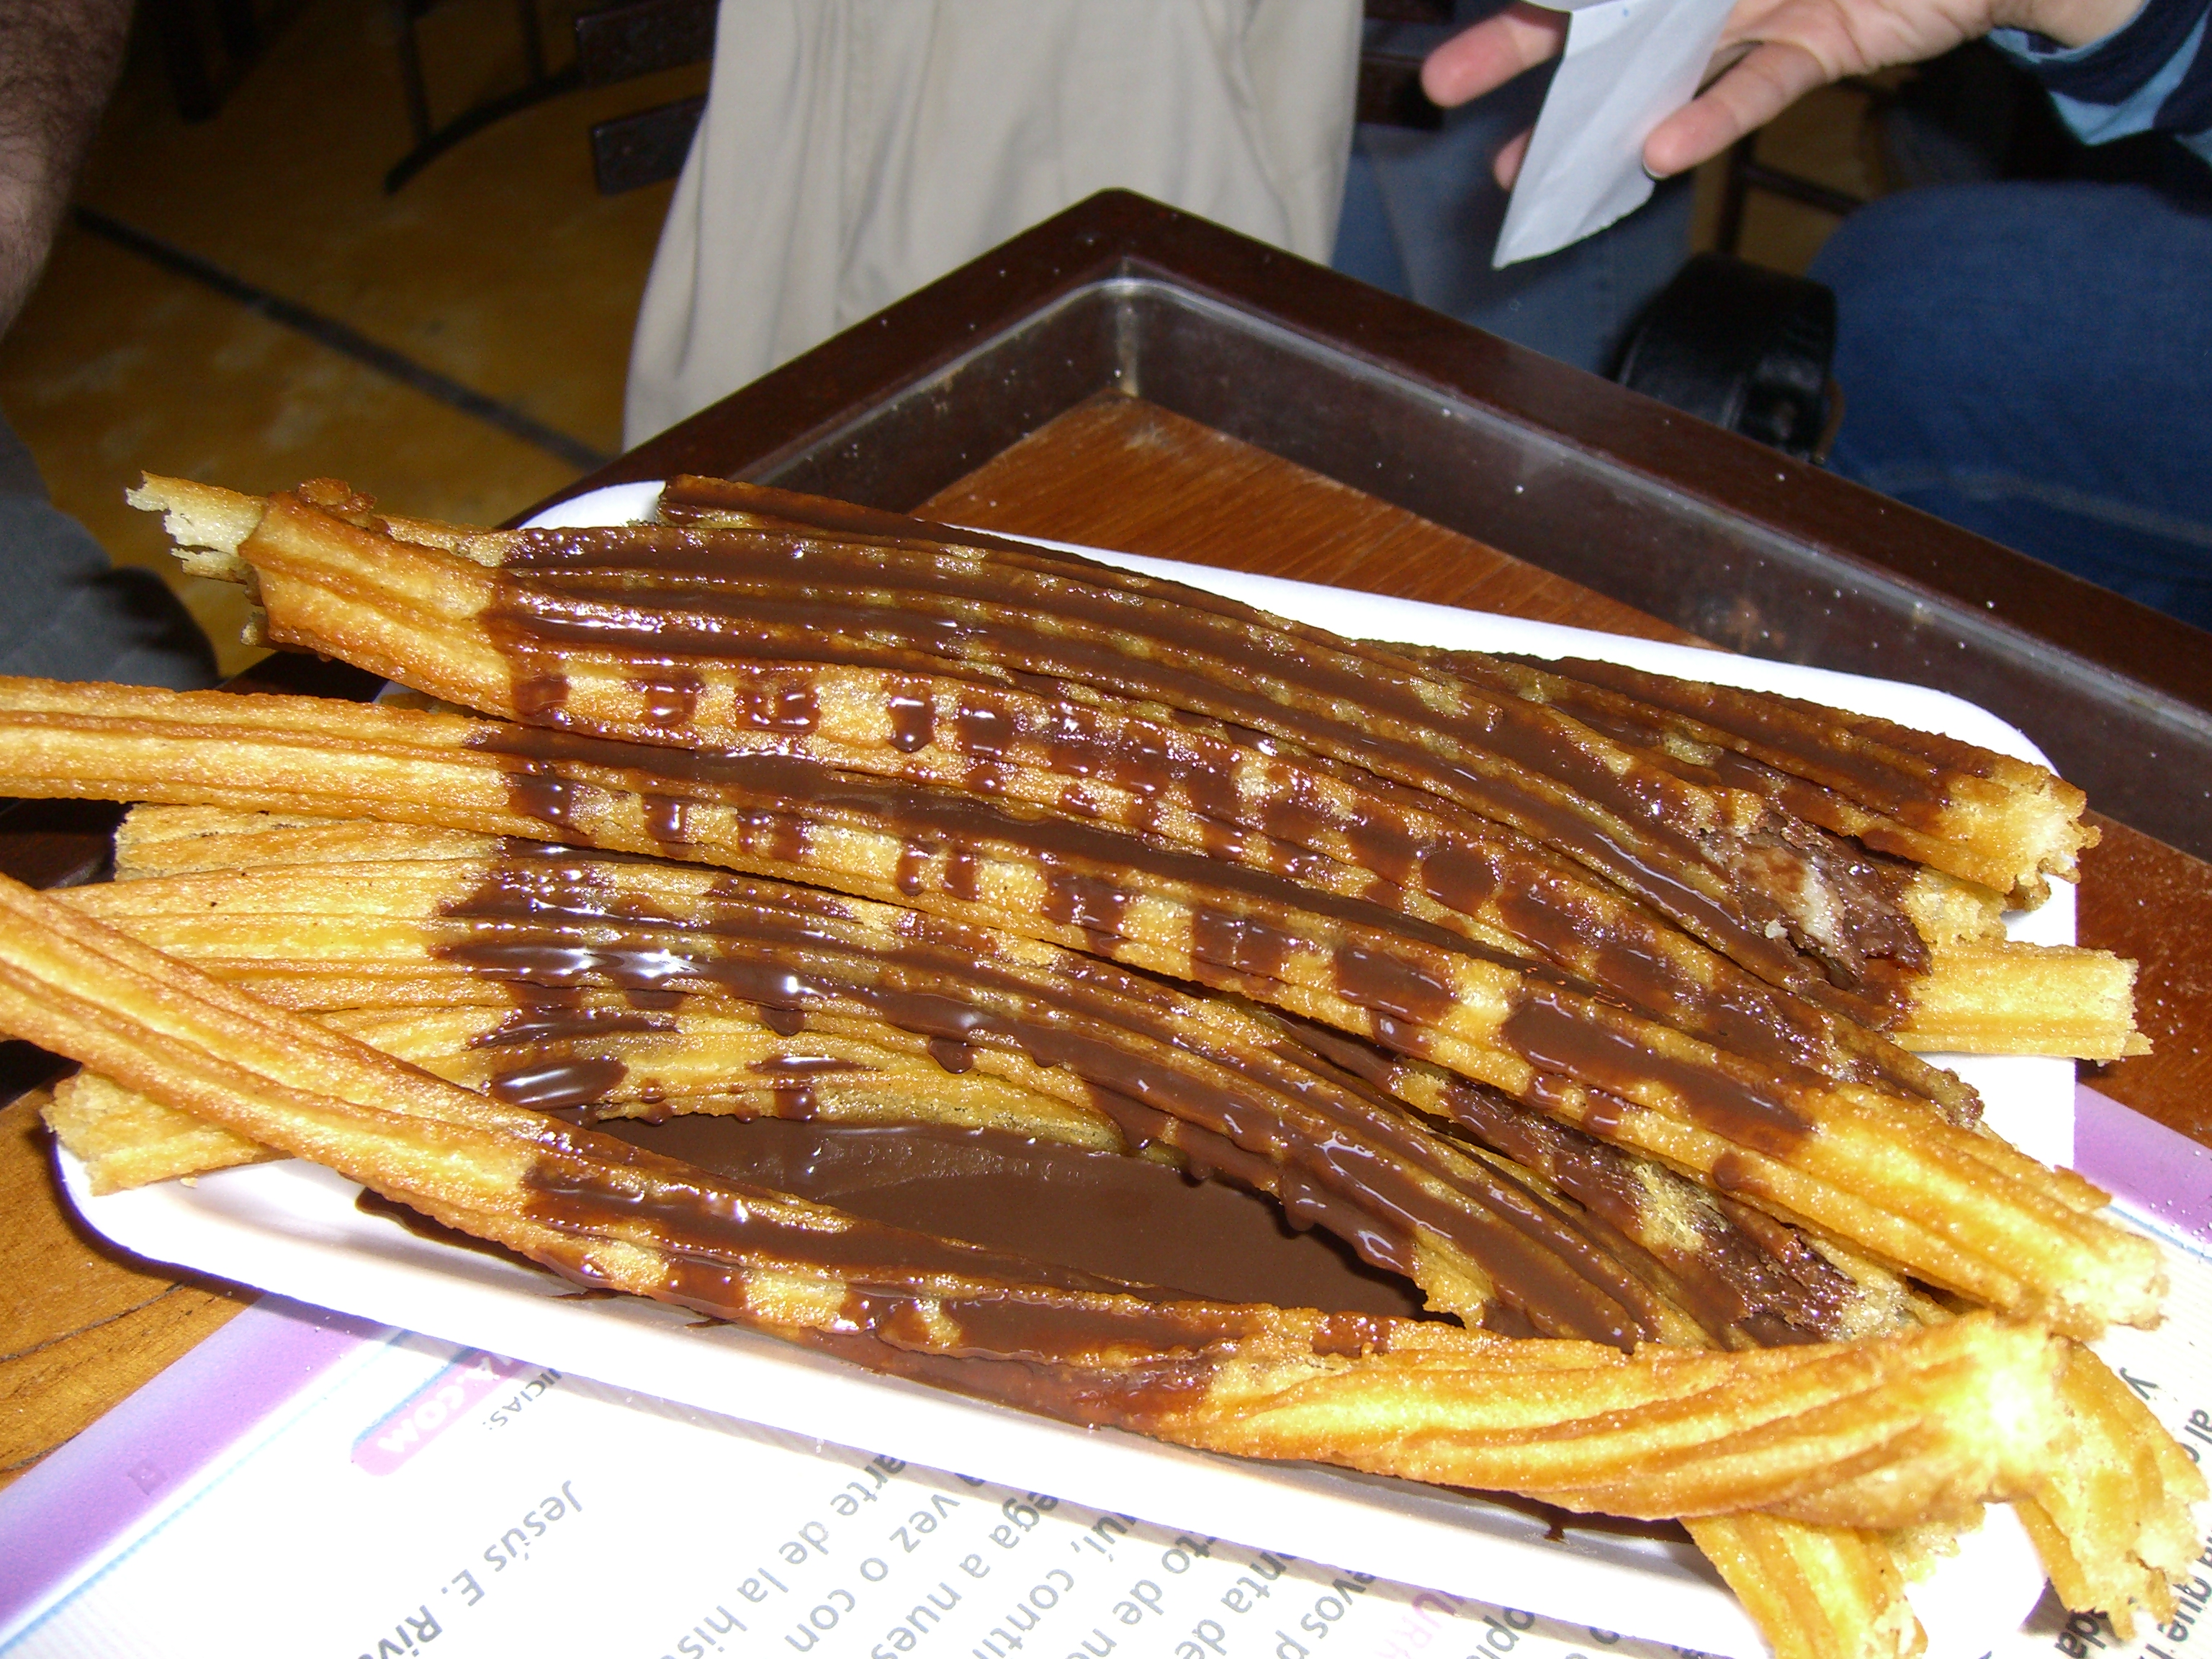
(975,402)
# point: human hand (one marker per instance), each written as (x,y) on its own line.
(1771,53)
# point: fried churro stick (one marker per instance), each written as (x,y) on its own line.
(600,1055)
(124,1139)
(2084,1519)
(2053,1000)
(1160,1065)
(154,840)
(400,763)
(608,1057)
(728,638)
(2004,823)
(1853,1163)
(1890,1432)
(1836,1591)
(1828,1593)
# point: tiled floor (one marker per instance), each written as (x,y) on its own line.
(498,268)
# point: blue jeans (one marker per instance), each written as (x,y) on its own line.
(2033,361)
(1421,214)
(71,615)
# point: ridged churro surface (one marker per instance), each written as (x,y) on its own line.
(1580,1006)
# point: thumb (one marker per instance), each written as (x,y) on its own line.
(1507,167)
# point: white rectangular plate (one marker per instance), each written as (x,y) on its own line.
(292,1227)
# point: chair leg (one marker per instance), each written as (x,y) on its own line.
(410,69)
(241,30)
(431,142)
(186,62)
(534,39)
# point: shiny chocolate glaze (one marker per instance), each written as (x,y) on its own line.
(1272,1115)
(1358,1171)
(1078,1344)
(1021,619)
(1246,925)
(1739,1269)
(1886,767)
(1101,1212)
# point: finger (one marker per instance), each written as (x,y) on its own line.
(1772,77)
(1492,52)
(1507,167)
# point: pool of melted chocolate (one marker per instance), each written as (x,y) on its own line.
(1101,1212)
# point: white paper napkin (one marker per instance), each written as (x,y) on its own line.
(1628,65)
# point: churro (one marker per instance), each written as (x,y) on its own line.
(1586,1001)
(918,660)
(1890,1432)
(1856,1162)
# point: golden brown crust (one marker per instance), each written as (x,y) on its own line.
(126,1139)
(1875,1434)
(1874,1167)
(2107,1537)
(1785,1458)
(1998,997)
(1817,1592)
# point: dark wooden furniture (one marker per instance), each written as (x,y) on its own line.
(1129,376)
(198,80)
(432,138)
(631,38)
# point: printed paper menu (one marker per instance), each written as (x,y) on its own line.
(458,1503)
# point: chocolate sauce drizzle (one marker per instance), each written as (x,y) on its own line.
(1250,916)
(1124,1218)
(1131,690)
(1248,926)
(1883,767)
(1735,1266)
(1282,1120)
(715,1232)
(766,598)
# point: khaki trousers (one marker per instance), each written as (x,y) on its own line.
(853,150)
